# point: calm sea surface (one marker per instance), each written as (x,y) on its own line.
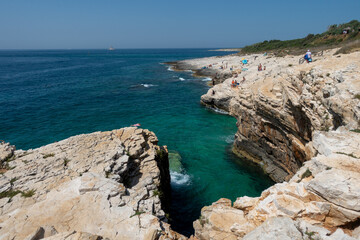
(47,96)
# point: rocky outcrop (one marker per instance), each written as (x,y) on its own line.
(294,121)
(103,185)
(321,200)
(279,109)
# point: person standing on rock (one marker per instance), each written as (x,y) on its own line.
(308,56)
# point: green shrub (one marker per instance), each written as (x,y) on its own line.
(28,194)
(137,213)
(49,155)
(332,37)
(306,174)
(310,234)
(9,194)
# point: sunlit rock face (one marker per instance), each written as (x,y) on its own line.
(101,185)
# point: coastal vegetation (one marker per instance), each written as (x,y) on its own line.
(48,155)
(12,193)
(345,34)
(306,174)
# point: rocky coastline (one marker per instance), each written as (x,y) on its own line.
(300,123)
(103,185)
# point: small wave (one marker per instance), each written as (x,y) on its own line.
(219,111)
(147,85)
(207,79)
(188,71)
(182,79)
(179,178)
(170,69)
(143,85)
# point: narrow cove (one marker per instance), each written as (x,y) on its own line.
(52,95)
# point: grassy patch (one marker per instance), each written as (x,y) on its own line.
(49,155)
(9,158)
(66,161)
(9,194)
(290,65)
(355,130)
(157,193)
(137,213)
(28,194)
(13,180)
(357,96)
(347,154)
(160,154)
(310,234)
(306,174)
(328,168)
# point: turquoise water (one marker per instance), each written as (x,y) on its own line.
(46,96)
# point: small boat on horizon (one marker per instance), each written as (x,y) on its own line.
(111,48)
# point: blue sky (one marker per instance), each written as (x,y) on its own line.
(62,24)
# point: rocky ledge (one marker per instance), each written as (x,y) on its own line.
(279,109)
(320,202)
(300,123)
(103,185)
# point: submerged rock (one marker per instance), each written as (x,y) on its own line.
(175,161)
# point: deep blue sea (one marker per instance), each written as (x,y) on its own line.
(47,96)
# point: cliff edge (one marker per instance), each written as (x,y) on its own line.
(103,185)
(300,123)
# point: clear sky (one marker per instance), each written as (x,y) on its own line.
(62,24)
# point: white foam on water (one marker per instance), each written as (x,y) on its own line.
(219,111)
(179,178)
(182,79)
(207,79)
(188,71)
(229,139)
(147,85)
(170,69)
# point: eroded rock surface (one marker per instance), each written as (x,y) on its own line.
(91,186)
(278,109)
(294,121)
(324,193)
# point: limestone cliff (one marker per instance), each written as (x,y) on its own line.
(279,109)
(294,121)
(101,185)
